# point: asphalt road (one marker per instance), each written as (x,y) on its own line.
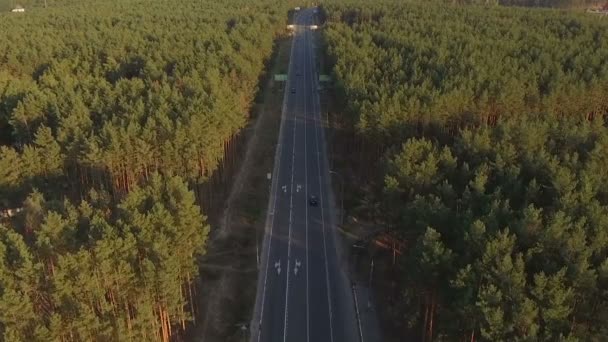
(303,293)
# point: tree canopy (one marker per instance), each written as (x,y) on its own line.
(487,128)
(511,229)
(111,114)
(401,65)
(92,271)
(105,93)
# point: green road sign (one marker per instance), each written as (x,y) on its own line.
(280,77)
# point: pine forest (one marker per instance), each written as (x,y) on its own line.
(488,129)
(475,134)
(119,122)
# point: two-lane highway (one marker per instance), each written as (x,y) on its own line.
(303,294)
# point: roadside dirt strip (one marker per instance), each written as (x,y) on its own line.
(231,262)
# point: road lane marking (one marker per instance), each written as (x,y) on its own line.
(293,160)
(331,332)
(277,165)
(306,211)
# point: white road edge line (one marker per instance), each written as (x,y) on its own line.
(293,160)
(358,314)
(307,35)
(306,206)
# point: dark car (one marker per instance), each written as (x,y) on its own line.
(313,201)
(293,90)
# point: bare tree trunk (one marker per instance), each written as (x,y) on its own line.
(156,330)
(164,330)
(113,302)
(433,306)
(191,299)
(129,325)
(52,267)
(426,317)
(168,325)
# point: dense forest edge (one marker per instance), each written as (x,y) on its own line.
(120,131)
(487,126)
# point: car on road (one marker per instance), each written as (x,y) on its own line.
(313,201)
(293,90)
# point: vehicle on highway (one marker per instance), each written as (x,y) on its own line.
(313,201)
(293,90)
